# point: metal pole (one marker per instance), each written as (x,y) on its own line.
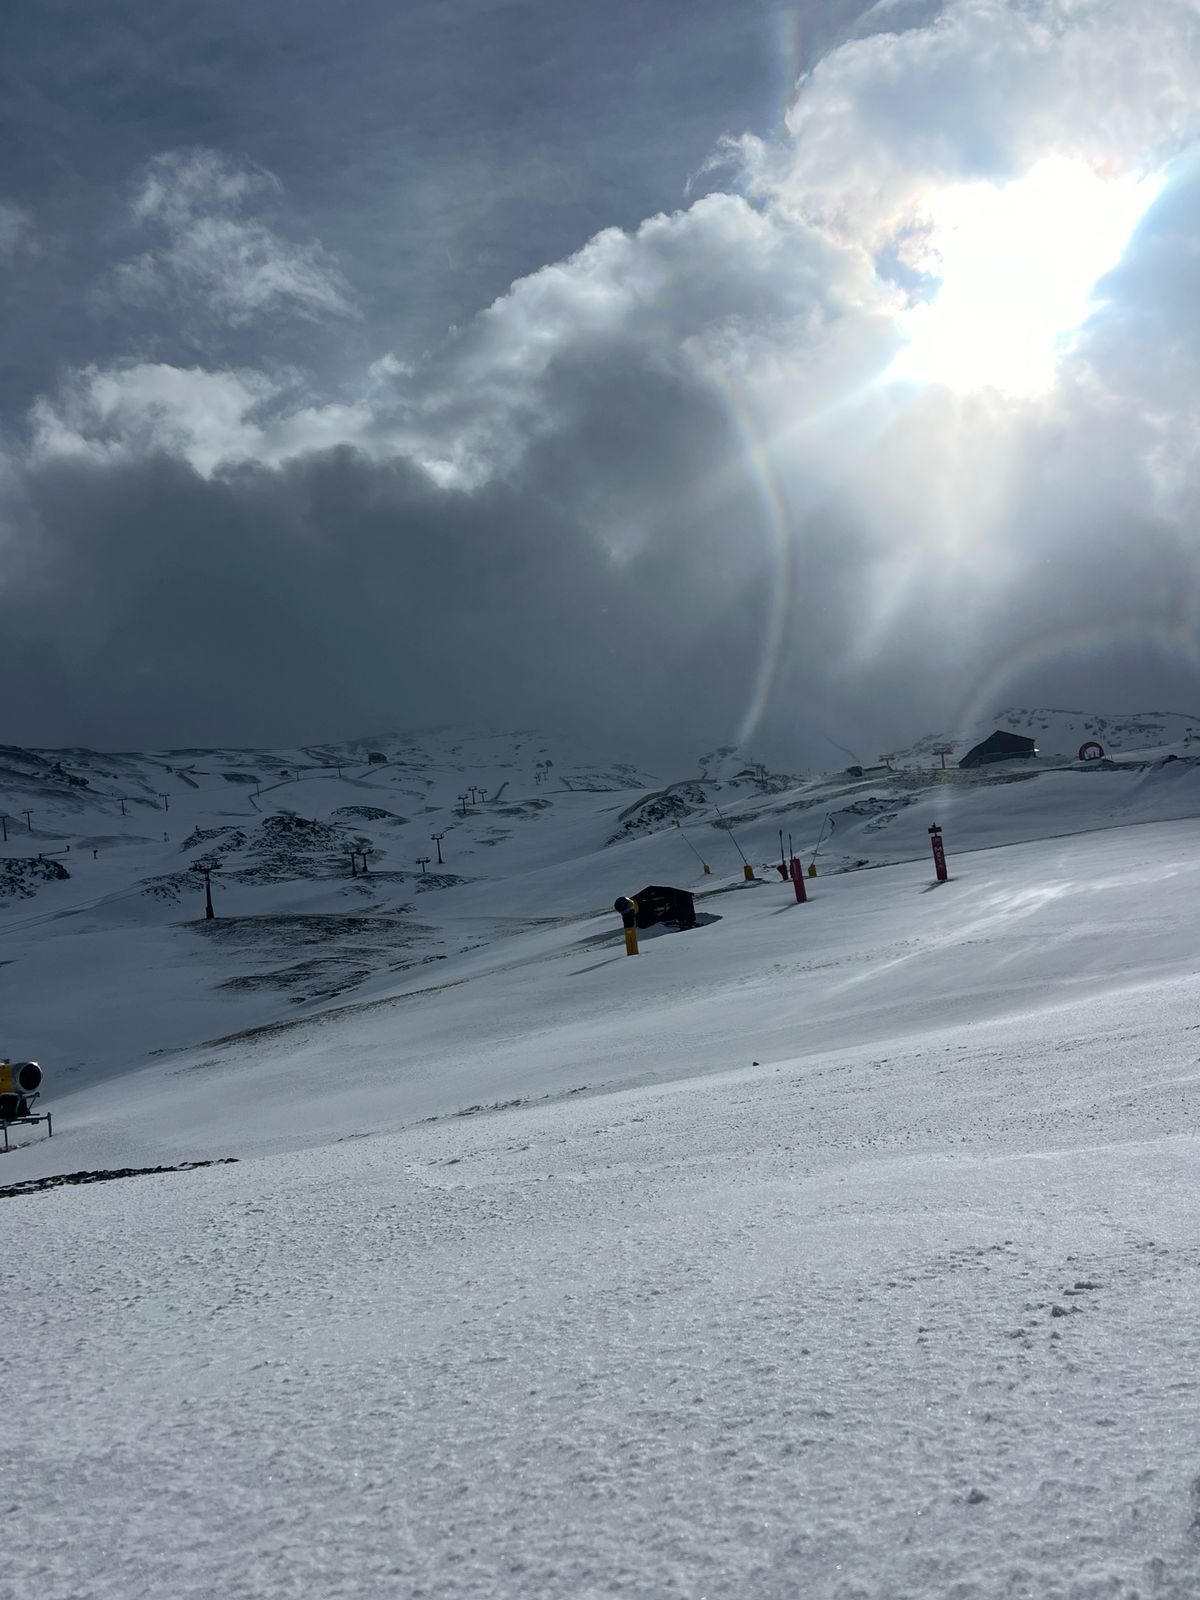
(692,848)
(821,835)
(437,839)
(748,868)
(812,865)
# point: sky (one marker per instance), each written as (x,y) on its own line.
(790,376)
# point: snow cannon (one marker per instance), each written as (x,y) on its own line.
(628,909)
(19,1085)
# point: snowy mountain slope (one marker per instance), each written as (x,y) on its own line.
(525,841)
(550,1010)
(295,928)
(1060,734)
(843,1249)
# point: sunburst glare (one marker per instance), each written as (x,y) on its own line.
(1016,268)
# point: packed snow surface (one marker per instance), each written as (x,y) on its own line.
(842,1250)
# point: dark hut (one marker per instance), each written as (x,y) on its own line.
(661,904)
(999,746)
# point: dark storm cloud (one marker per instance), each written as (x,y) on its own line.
(620,582)
(337,593)
(440,148)
(657,489)
(329,595)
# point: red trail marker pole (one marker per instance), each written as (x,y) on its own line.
(798,880)
(939,853)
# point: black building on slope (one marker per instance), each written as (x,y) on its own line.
(658,903)
(999,746)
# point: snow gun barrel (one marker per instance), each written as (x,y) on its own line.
(20,1077)
(18,1081)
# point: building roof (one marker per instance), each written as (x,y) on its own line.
(999,746)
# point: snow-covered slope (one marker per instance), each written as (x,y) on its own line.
(1060,734)
(101,911)
(843,1249)
(98,878)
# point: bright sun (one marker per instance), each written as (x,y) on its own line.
(1016,267)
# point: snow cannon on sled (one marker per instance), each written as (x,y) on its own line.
(19,1085)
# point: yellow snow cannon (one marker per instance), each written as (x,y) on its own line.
(19,1085)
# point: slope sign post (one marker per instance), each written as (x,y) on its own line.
(939,852)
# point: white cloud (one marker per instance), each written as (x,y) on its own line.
(213,419)
(719,285)
(785,296)
(778,307)
(148,409)
(986,90)
(211,252)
